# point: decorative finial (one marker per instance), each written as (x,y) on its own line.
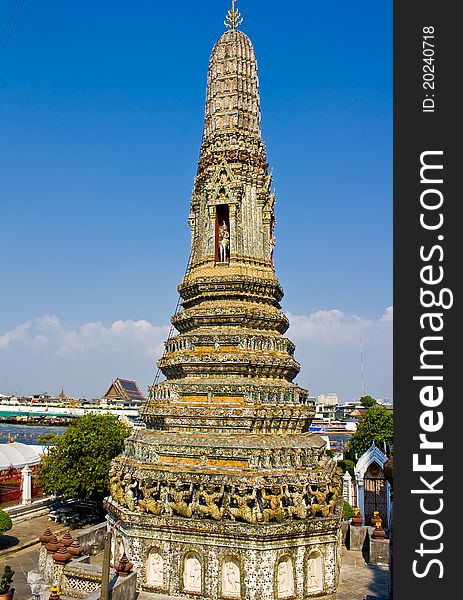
(233,19)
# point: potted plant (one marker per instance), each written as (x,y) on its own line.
(6,591)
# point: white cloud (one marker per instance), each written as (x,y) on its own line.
(16,335)
(335,327)
(388,314)
(328,348)
(43,354)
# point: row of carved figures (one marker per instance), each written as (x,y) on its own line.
(269,458)
(253,343)
(278,502)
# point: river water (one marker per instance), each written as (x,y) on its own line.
(26,434)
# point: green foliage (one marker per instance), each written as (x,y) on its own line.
(347,511)
(367,401)
(5,522)
(48,439)
(376,426)
(347,465)
(78,465)
(6,579)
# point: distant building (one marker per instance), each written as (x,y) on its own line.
(123,392)
(328,399)
(344,411)
(325,407)
(325,412)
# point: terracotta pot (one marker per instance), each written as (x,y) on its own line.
(67,539)
(123,566)
(46,536)
(7,595)
(357,519)
(378,532)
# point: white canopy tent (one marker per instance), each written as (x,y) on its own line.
(19,456)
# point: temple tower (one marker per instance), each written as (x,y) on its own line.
(227,494)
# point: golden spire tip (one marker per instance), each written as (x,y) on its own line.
(233,19)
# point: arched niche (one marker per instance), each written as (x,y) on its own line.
(284,580)
(314,572)
(154,568)
(192,573)
(231,577)
(118,548)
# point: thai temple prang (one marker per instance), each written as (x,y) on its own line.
(226,494)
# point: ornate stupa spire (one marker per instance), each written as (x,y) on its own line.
(226,489)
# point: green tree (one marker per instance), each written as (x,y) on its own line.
(5,522)
(376,426)
(347,465)
(347,511)
(367,401)
(78,465)
(48,439)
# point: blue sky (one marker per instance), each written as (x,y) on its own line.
(101,114)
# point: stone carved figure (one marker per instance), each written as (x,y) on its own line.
(242,510)
(130,492)
(319,506)
(224,242)
(149,503)
(298,458)
(211,497)
(272,247)
(285,578)
(299,507)
(192,574)
(266,461)
(115,486)
(276,458)
(155,568)
(178,504)
(231,579)
(274,509)
(208,500)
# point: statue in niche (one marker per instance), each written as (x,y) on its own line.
(224,242)
(192,574)
(314,572)
(231,585)
(155,569)
(285,578)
